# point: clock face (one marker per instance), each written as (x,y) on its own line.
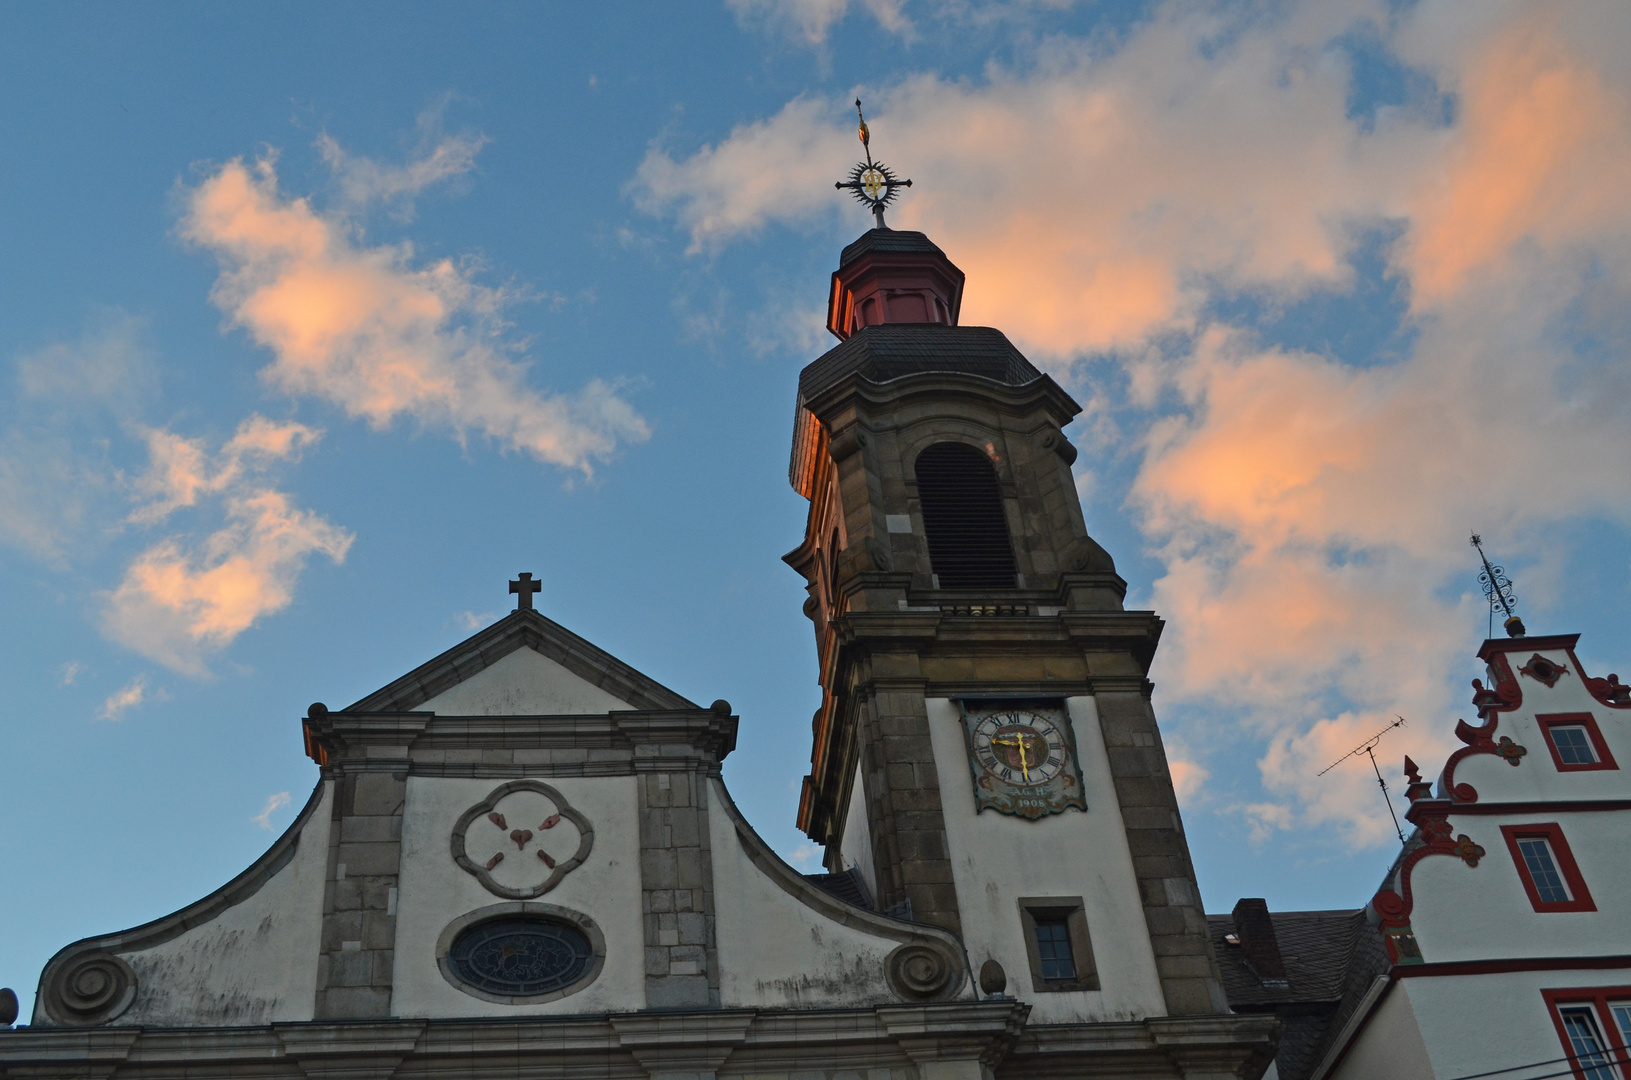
(1023,756)
(1020,747)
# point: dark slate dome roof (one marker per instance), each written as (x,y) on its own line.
(888,241)
(892,350)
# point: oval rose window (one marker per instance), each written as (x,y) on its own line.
(520,956)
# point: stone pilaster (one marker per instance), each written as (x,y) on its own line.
(907,822)
(677,881)
(1155,836)
(359,902)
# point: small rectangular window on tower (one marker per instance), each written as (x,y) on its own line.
(1053,949)
(1057,944)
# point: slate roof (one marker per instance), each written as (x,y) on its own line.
(892,350)
(888,241)
(1330,959)
(848,886)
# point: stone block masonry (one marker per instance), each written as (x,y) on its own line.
(359,900)
(677,904)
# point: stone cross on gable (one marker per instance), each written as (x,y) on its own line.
(524,588)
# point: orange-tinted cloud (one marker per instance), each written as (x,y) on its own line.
(181,600)
(177,603)
(367,329)
(1541,155)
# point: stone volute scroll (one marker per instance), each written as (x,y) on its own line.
(521,840)
(88,988)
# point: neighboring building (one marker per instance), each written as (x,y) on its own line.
(520,859)
(1499,945)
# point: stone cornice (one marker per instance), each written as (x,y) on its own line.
(421,741)
(640,1044)
(981,393)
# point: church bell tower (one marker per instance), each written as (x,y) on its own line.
(986,758)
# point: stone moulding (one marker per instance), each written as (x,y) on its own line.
(483,874)
(992,1033)
(597,942)
(930,964)
(52,1009)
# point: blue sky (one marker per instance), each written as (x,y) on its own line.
(1335,282)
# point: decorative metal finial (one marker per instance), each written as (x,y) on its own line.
(523,590)
(1497,588)
(871,182)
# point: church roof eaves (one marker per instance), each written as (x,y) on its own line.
(522,629)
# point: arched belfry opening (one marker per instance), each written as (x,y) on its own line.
(963,520)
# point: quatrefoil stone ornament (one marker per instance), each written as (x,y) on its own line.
(522,839)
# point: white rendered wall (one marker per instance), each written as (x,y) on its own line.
(1537,776)
(775,951)
(1480,1023)
(855,846)
(1390,1046)
(254,963)
(433,891)
(524,683)
(1476,913)
(997,858)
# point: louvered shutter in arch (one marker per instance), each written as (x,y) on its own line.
(963,520)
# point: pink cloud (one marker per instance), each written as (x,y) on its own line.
(366,328)
(177,602)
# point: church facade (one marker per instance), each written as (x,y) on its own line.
(520,859)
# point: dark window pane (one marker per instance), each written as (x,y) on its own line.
(1053,948)
(1537,856)
(963,519)
(1573,746)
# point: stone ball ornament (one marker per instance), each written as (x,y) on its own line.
(924,971)
(8,1006)
(89,988)
(522,839)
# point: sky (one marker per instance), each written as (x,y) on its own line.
(319,322)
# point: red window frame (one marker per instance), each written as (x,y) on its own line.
(1552,833)
(1598,998)
(1605,760)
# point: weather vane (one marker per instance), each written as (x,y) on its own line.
(1368,747)
(871,182)
(1498,591)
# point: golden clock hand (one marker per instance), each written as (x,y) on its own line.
(1018,741)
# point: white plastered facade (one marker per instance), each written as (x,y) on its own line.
(997,858)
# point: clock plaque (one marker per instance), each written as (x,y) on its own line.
(1023,756)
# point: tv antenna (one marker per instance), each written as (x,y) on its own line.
(1368,748)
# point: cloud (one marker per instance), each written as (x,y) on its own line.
(471,621)
(179,602)
(364,182)
(56,484)
(123,700)
(274,803)
(1142,211)
(69,672)
(366,328)
(180,470)
(809,21)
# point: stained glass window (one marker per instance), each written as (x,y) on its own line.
(520,957)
